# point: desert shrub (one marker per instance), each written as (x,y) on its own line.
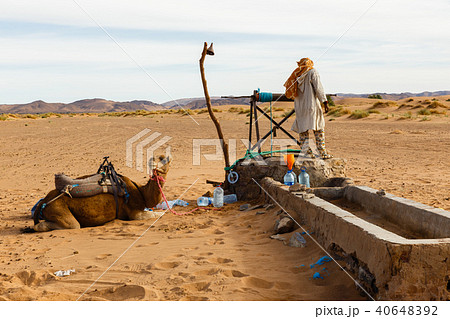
(166,111)
(424,112)
(410,100)
(359,114)
(30,116)
(217,110)
(426,102)
(244,111)
(374,111)
(436,104)
(406,116)
(374,96)
(434,111)
(3,117)
(425,118)
(330,101)
(277,109)
(338,111)
(202,111)
(235,109)
(380,104)
(187,112)
(448,100)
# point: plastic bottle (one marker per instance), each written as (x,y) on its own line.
(230,199)
(303,177)
(172,203)
(204,201)
(218,197)
(289,178)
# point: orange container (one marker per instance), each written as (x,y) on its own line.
(290,160)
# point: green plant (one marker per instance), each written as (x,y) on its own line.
(425,118)
(406,116)
(359,114)
(330,101)
(424,112)
(3,117)
(375,96)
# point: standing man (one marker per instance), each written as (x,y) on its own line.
(305,88)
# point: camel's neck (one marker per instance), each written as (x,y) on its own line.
(151,192)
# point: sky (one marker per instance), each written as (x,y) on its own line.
(67,50)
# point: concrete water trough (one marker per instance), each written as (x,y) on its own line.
(397,249)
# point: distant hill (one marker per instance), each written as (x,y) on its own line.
(102,105)
(396,96)
(82,106)
(199,102)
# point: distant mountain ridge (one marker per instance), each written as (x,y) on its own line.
(81,106)
(396,96)
(98,105)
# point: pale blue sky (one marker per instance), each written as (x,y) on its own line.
(52,50)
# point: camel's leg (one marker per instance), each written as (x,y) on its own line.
(57,216)
(142,214)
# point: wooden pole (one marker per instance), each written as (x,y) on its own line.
(210,111)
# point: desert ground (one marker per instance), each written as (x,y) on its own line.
(224,254)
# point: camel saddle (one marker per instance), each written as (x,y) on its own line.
(89,186)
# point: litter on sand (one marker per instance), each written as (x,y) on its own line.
(317,275)
(172,203)
(321,261)
(64,273)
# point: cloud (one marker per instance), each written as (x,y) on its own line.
(52,49)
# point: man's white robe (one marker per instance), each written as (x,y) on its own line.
(308,111)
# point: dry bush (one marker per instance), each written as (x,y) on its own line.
(201,111)
(187,112)
(359,114)
(436,104)
(338,111)
(434,111)
(379,104)
(244,111)
(235,109)
(374,111)
(277,109)
(3,117)
(424,112)
(406,116)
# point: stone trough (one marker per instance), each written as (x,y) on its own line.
(397,249)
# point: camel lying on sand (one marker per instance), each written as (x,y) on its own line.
(73,213)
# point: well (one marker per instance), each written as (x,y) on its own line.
(397,249)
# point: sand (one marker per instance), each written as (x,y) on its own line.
(210,255)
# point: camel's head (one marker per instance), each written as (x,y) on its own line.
(161,165)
